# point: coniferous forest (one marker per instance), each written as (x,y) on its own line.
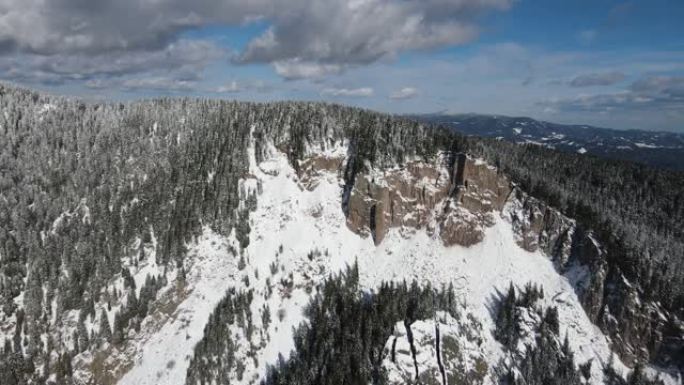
(88,189)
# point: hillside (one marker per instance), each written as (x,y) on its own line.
(196,241)
(653,148)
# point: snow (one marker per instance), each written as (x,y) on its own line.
(212,266)
(582,150)
(46,107)
(459,350)
(301,221)
(517,130)
(645,145)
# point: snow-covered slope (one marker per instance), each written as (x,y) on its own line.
(298,236)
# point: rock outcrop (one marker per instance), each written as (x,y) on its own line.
(636,327)
(457,201)
(311,168)
(439,351)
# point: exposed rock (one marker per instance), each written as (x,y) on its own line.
(636,326)
(539,226)
(312,168)
(397,197)
(458,201)
(460,204)
(462,227)
(440,351)
(484,188)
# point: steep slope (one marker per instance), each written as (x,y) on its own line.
(127,228)
(305,220)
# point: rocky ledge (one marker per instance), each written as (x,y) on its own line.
(456,198)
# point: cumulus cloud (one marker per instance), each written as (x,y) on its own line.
(349,92)
(96,26)
(598,79)
(404,93)
(306,38)
(360,32)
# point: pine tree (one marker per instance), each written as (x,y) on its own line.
(118,333)
(105,331)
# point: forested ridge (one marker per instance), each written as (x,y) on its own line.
(636,210)
(88,188)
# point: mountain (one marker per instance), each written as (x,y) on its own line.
(657,149)
(191,241)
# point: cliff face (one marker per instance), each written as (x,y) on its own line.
(456,202)
(444,350)
(456,199)
(636,326)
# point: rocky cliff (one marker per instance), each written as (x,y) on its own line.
(455,198)
(636,326)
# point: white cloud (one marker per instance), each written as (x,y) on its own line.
(404,93)
(229,88)
(294,69)
(306,38)
(348,92)
(183,58)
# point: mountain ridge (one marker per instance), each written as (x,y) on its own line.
(660,149)
(120,219)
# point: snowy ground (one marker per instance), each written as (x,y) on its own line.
(165,354)
(297,221)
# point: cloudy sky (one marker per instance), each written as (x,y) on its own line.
(603,62)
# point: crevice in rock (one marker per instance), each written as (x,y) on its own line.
(409,336)
(394,350)
(372,220)
(459,178)
(350,171)
(439,354)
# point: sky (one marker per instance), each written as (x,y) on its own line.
(608,63)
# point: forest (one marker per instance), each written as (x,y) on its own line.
(88,188)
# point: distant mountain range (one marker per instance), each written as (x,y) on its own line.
(657,149)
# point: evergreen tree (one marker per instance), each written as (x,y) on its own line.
(105,331)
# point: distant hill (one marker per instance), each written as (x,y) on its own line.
(657,149)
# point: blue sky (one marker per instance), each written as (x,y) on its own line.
(609,63)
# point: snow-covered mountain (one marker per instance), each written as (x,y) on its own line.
(481,241)
(232,242)
(654,148)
